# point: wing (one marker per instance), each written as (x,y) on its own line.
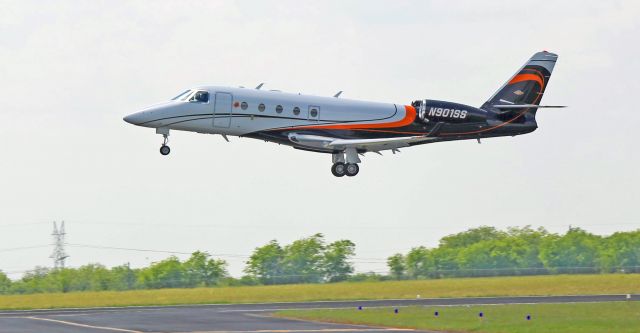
(374,145)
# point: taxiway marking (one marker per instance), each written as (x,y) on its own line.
(70,323)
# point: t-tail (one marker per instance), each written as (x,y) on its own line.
(519,98)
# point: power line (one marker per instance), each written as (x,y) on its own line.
(23,248)
(21,224)
(124,248)
(230,255)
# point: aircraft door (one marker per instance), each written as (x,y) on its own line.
(222,110)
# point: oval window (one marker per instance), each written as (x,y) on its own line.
(313,112)
(261,107)
(296,111)
(279,109)
(244,105)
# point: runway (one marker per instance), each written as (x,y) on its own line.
(236,318)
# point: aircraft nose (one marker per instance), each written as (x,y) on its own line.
(134,118)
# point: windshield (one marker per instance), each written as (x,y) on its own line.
(200,96)
(182,96)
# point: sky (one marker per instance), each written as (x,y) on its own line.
(70,70)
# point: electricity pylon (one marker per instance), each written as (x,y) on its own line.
(58,255)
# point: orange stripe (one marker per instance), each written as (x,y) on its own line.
(527,77)
(497,126)
(409,117)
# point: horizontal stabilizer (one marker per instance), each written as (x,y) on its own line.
(526,106)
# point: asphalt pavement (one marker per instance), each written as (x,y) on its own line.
(237,318)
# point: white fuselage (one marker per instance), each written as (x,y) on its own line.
(239,111)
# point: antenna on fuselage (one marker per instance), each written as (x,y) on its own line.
(338,94)
(260,86)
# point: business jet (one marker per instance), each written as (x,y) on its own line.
(347,128)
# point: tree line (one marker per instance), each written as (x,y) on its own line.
(486,251)
(483,251)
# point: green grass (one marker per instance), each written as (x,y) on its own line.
(497,286)
(619,317)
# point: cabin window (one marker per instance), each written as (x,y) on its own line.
(279,109)
(296,111)
(244,105)
(314,112)
(261,107)
(200,96)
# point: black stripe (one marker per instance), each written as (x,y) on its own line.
(240,115)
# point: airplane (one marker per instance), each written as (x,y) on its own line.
(347,128)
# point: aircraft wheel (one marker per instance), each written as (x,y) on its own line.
(165,150)
(338,169)
(352,169)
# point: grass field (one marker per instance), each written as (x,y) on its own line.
(619,317)
(498,286)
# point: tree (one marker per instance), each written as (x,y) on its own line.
(336,265)
(471,236)
(445,259)
(266,263)
(94,277)
(419,262)
(202,270)
(450,255)
(621,250)
(526,242)
(122,278)
(488,258)
(303,260)
(37,280)
(5,283)
(576,251)
(396,265)
(167,273)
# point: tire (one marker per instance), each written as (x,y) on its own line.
(165,150)
(352,169)
(338,169)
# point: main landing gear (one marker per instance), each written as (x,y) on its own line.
(341,169)
(345,166)
(164,149)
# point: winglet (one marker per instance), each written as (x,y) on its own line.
(260,86)
(337,94)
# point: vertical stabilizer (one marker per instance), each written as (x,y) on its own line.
(527,85)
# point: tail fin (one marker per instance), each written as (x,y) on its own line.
(527,85)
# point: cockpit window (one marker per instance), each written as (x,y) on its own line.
(200,96)
(182,96)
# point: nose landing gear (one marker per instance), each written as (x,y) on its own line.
(164,149)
